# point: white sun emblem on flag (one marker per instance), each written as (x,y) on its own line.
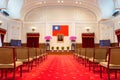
(56,27)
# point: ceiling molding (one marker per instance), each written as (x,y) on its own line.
(85,4)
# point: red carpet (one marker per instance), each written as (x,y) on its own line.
(61,67)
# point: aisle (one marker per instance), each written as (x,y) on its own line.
(61,67)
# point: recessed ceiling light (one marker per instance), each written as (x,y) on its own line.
(58,1)
(62,1)
(80,2)
(44,2)
(40,3)
(76,2)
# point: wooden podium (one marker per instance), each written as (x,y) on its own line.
(33,40)
(88,40)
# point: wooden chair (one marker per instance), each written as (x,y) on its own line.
(8,61)
(76,53)
(33,54)
(100,55)
(89,52)
(43,53)
(82,55)
(38,54)
(22,54)
(113,62)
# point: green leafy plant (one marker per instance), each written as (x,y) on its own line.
(57,48)
(68,47)
(52,48)
(62,48)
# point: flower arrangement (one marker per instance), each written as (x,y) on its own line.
(73,38)
(48,37)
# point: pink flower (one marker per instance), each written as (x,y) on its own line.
(73,38)
(48,37)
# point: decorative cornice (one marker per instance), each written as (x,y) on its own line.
(88,35)
(2,31)
(33,34)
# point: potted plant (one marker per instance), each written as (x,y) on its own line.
(68,48)
(47,38)
(72,38)
(52,48)
(62,48)
(57,48)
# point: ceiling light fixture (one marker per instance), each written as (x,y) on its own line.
(44,2)
(60,1)
(40,3)
(76,2)
(80,2)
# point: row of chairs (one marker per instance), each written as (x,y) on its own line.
(12,58)
(108,58)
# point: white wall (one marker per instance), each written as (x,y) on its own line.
(76,18)
(14,30)
(106,29)
(116,21)
(12,27)
(44,17)
(40,28)
(81,28)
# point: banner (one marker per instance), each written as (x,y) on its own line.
(60,29)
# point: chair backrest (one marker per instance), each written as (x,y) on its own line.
(78,51)
(6,55)
(38,51)
(114,54)
(100,53)
(32,52)
(82,51)
(89,52)
(22,53)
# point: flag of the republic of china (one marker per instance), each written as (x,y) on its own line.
(60,29)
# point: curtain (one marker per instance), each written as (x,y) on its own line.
(118,39)
(2,33)
(2,38)
(87,40)
(117,32)
(33,40)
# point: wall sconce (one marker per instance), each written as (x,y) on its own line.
(119,22)
(87,29)
(0,23)
(33,29)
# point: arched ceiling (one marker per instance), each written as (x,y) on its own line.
(91,5)
(17,9)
